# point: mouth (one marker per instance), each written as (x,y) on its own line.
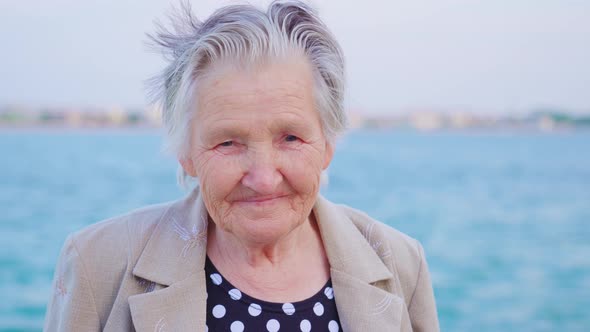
(264,199)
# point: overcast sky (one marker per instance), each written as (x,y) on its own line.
(480,56)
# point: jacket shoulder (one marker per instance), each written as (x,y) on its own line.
(402,254)
(109,249)
(120,236)
(92,266)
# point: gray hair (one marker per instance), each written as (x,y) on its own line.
(243,34)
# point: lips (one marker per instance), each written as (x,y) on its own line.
(261,199)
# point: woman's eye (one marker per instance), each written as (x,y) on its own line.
(291,138)
(227,143)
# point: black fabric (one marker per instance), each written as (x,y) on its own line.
(228,309)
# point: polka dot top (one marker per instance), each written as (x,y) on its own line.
(228,309)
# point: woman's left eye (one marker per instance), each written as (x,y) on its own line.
(291,138)
(227,144)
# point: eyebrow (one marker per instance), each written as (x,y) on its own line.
(222,132)
(296,127)
(226,128)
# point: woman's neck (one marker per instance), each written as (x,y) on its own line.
(289,269)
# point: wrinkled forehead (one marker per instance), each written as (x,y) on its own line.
(285,83)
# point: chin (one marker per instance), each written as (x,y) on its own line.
(266,229)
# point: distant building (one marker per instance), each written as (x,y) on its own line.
(426,121)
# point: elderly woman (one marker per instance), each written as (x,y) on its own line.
(252,103)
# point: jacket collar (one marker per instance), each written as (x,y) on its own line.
(177,246)
(356,269)
(175,254)
(347,249)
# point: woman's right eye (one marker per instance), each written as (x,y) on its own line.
(227,143)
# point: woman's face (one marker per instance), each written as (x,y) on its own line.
(258,149)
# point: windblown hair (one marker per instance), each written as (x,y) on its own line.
(243,35)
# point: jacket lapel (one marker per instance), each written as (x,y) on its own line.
(356,270)
(178,307)
(174,257)
(364,307)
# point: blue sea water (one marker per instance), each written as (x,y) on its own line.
(504,217)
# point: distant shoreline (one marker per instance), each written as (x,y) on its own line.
(159,130)
(100,119)
(88,129)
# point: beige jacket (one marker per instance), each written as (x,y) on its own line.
(144,271)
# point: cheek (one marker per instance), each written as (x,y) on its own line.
(218,175)
(303,170)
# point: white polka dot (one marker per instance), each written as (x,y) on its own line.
(329,292)
(237,326)
(206,328)
(254,309)
(305,326)
(235,294)
(273,325)
(218,311)
(288,308)
(333,326)
(216,278)
(318,309)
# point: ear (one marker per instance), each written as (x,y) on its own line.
(328,154)
(188,166)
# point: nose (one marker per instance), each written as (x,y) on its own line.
(263,175)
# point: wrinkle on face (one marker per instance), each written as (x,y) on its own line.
(255,109)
